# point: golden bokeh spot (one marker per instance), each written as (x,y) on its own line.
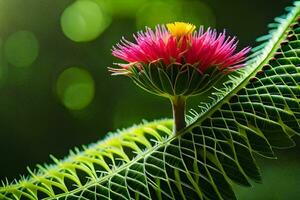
(180,29)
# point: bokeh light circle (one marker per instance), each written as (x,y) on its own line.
(84,20)
(75,87)
(199,13)
(21,48)
(124,8)
(157,12)
(162,12)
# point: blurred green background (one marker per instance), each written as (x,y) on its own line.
(56,92)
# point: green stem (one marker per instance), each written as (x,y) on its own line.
(178,106)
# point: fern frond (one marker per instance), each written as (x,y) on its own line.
(252,112)
(93,164)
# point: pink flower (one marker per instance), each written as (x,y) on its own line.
(180,44)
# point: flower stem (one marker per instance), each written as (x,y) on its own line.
(178,106)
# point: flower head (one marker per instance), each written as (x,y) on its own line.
(177,62)
(179,43)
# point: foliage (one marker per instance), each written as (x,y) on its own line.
(256,110)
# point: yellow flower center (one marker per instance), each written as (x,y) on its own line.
(180,29)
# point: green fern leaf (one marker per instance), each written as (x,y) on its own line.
(252,112)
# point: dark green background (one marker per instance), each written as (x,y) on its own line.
(34,123)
